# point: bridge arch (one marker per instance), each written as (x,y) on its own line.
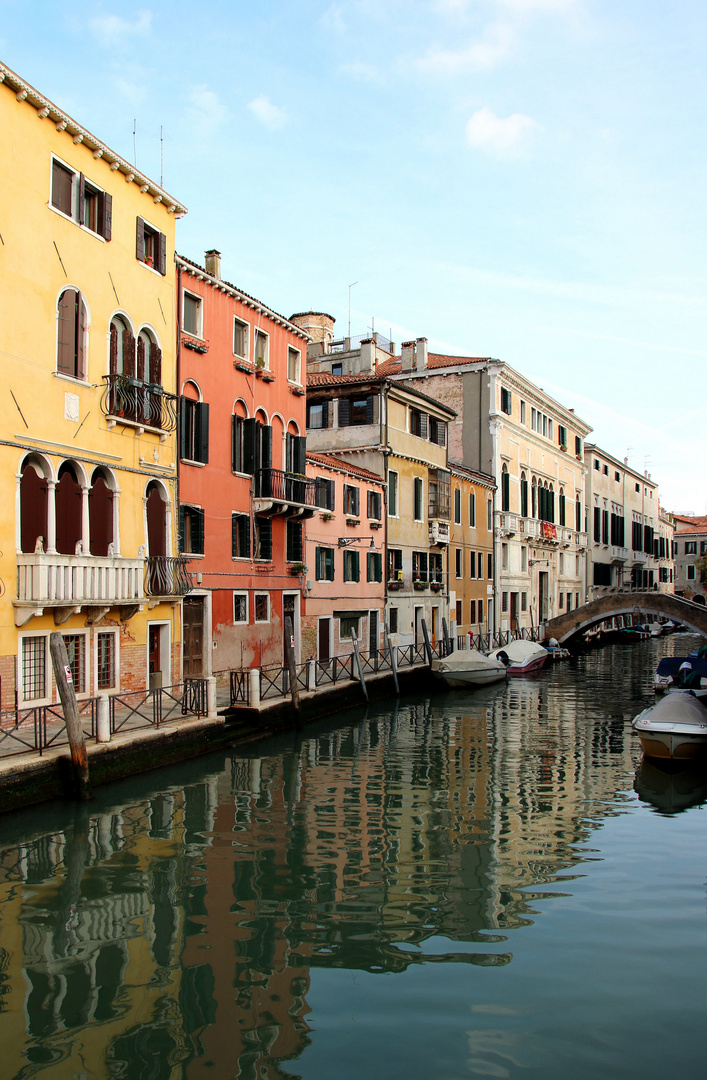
(665,605)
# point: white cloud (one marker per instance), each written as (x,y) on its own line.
(206,111)
(503,136)
(479,55)
(113,31)
(267,113)
(364,72)
(333,19)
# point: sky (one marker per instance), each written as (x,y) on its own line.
(520,179)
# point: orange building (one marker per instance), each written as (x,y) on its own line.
(243,490)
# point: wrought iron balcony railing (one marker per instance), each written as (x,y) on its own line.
(167,576)
(139,402)
(285,487)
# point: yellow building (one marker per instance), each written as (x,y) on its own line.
(470,552)
(88,410)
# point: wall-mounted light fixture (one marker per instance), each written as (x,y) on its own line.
(344,541)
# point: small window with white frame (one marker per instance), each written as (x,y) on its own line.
(76,653)
(34,677)
(78,198)
(240,607)
(392,493)
(106,661)
(261,349)
(192,314)
(261,604)
(293,365)
(240,338)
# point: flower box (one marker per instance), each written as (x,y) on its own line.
(297,568)
(394,585)
(195,346)
(376,524)
(241,366)
(436,586)
(267,377)
(298,391)
(419,585)
(353,521)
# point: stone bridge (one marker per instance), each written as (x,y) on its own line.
(628,603)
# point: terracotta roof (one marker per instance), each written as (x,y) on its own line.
(437,360)
(338,463)
(696,525)
(325,378)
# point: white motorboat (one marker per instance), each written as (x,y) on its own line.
(522,657)
(470,668)
(676,727)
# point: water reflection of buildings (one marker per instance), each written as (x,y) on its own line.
(180,932)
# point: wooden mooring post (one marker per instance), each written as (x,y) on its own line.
(359,665)
(292,667)
(393,654)
(67,693)
(426,636)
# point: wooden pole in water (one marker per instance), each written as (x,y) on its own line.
(77,743)
(393,653)
(359,666)
(290,655)
(426,636)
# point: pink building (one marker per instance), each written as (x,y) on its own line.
(345,544)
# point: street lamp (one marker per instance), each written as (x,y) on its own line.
(344,541)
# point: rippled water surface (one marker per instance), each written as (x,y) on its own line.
(470,884)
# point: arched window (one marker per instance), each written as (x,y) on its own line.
(72,334)
(562,506)
(100,513)
(523,495)
(68,502)
(149,358)
(578,515)
(505,488)
(535,498)
(33,507)
(122,348)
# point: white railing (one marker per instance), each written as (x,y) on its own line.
(507,523)
(72,579)
(619,553)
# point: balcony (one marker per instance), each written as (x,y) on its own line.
(167,576)
(639,557)
(507,524)
(281,494)
(439,532)
(138,404)
(66,583)
(619,554)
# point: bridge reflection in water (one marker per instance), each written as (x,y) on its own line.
(229,916)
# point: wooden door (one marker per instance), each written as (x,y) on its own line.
(288,612)
(193,637)
(373,633)
(154,656)
(514,611)
(324,643)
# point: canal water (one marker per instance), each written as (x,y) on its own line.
(464,884)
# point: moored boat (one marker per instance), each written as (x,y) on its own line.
(468,668)
(668,673)
(523,657)
(675,727)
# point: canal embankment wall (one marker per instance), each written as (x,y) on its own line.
(30,779)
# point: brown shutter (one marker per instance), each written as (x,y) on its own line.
(140,241)
(61,188)
(82,195)
(82,326)
(128,353)
(155,365)
(105,215)
(161,244)
(141,358)
(113,349)
(66,332)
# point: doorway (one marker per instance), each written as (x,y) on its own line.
(290,610)
(324,640)
(154,657)
(514,611)
(419,616)
(543,593)
(373,634)
(193,636)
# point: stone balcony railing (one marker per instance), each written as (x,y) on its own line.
(507,524)
(69,582)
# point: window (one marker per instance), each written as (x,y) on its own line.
(458,555)
(261,349)
(374,505)
(524,601)
(489,515)
(106,660)
(480,564)
(561,601)
(617,477)
(459,615)
(457,506)
(34,668)
(504,556)
(435,566)
(522,413)
(358,410)
(352,567)
(374,567)
(261,602)
(76,653)
(472,612)
(191,530)
(472,564)
(562,507)
(562,436)
(597,525)
(472,510)
(240,536)
(489,568)
(577,446)
(419,566)
(337,369)
(240,607)
(318,415)
(703,547)
(325,493)
(524,559)
(237,443)
(348,627)
(418,423)
(690,547)
(324,564)
(351,500)
(480,607)
(504,601)
(78,198)
(393,620)
(506,401)
(193,430)
(263,538)
(638,489)
(605,470)
(578,516)
(294,543)
(191,314)
(505,489)
(417,498)
(293,365)
(523,495)
(395,564)
(151,248)
(240,338)
(438,493)
(438,431)
(392,494)
(72,335)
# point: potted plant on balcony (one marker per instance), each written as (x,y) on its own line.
(260,367)
(419,584)
(395,584)
(298,568)
(436,586)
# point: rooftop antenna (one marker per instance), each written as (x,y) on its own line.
(135,143)
(161,158)
(350,288)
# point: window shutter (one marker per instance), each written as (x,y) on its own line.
(356,566)
(235,444)
(141,359)
(82,195)
(325,414)
(297,539)
(250,431)
(140,241)
(265,538)
(183,426)
(105,215)
(369,409)
(66,332)
(202,431)
(235,524)
(423,425)
(356,501)
(344,412)
(156,365)
(162,253)
(200,521)
(318,564)
(266,447)
(331,504)
(81,338)
(182,519)
(128,353)
(300,454)
(113,349)
(61,188)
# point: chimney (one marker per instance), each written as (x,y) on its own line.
(407,356)
(212,260)
(421,354)
(368,354)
